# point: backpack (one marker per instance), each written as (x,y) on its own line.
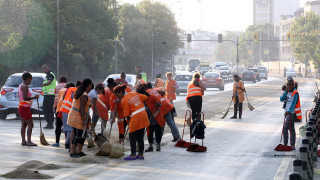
(197,129)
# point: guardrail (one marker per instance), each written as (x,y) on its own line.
(303,167)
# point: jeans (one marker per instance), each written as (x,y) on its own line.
(48,101)
(172,125)
(137,136)
(289,126)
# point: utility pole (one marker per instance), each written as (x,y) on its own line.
(116,56)
(152,40)
(58,41)
(237,61)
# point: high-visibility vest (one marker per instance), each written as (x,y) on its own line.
(297,108)
(50,89)
(23,102)
(160,84)
(167,100)
(193,90)
(144,76)
(68,99)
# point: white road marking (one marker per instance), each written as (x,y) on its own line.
(69,173)
(280,175)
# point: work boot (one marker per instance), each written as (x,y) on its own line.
(67,146)
(48,126)
(233,117)
(150,149)
(158,147)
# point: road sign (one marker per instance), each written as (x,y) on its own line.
(266,51)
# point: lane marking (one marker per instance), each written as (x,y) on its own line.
(69,173)
(284,166)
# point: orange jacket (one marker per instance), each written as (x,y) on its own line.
(68,99)
(239,92)
(160,84)
(103,104)
(113,97)
(165,107)
(60,99)
(193,90)
(156,111)
(171,89)
(133,106)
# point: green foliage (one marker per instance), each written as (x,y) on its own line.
(227,51)
(305,38)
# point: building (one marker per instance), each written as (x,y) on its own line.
(285,7)
(281,29)
(263,11)
(313,6)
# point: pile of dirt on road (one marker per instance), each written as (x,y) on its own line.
(89,159)
(117,150)
(25,173)
(41,166)
(105,149)
(90,142)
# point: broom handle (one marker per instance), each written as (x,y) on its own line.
(39,116)
(184,124)
(282,128)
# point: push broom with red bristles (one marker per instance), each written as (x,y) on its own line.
(282,147)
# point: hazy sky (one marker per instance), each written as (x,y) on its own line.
(217,15)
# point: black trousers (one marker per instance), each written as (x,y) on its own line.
(78,133)
(137,136)
(48,101)
(158,131)
(124,128)
(196,105)
(236,108)
(59,125)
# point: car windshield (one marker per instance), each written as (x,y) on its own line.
(15,81)
(247,72)
(211,75)
(254,70)
(183,78)
(204,69)
(224,68)
(262,71)
(290,70)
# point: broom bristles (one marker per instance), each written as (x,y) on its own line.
(250,107)
(225,114)
(43,140)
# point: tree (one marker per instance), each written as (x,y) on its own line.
(227,51)
(305,39)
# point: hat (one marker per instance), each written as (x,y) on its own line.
(236,75)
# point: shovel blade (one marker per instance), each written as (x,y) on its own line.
(282,147)
(192,147)
(201,149)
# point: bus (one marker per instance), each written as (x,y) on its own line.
(193,64)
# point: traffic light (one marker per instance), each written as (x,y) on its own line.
(189,38)
(219,38)
(288,37)
(255,37)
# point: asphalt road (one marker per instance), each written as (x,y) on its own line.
(237,149)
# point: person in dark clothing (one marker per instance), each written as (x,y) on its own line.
(48,89)
(237,96)
(195,92)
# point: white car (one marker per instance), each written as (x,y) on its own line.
(130,78)
(183,80)
(9,99)
(224,71)
(291,72)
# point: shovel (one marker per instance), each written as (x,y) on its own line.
(282,147)
(181,142)
(43,140)
(227,111)
(249,105)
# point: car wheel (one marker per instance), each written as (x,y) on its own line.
(177,93)
(18,115)
(3,115)
(266,78)
(254,81)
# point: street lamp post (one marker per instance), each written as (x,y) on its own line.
(116,56)
(58,41)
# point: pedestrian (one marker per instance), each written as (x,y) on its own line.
(122,80)
(139,81)
(79,117)
(171,86)
(166,110)
(156,119)
(237,96)
(292,108)
(159,83)
(143,74)
(65,109)
(59,122)
(195,92)
(93,97)
(135,112)
(48,89)
(25,102)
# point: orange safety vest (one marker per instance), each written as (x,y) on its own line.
(193,90)
(67,101)
(160,84)
(297,108)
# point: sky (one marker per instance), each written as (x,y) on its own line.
(216,16)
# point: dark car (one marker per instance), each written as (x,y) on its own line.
(213,80)
(256,73)
(248,76)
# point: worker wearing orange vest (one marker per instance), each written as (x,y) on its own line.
(139,81)
(159,83)
(291,108)
(25,102)
(194,97)
(237,96)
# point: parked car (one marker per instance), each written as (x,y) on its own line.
(183,80)
(213,80)
(248,76)
(291,72)
(204,70)
(256,73)
(263,74)
(130,78)
(224,71)
(9,98)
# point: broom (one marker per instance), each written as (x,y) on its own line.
(225,114)
(249,105)
(43,140)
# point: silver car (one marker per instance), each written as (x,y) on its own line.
(9,98)
(183,80)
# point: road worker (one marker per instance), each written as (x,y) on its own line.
(237,96)
(143,74)
(139,81)
(135,112)
(171,86)
(79,117)
(25,102)
(292,108)
(159,83)
(93,97)
(194,97)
